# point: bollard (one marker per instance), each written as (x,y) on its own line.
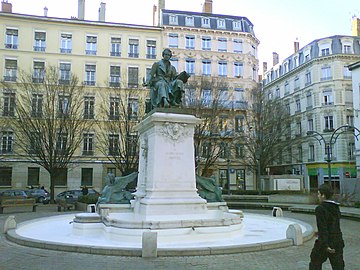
(9,224)
(294,233)
(91,208)
(149,244)
(277,212)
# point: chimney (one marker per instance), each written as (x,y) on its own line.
(264,67)
(46,11)
(81,9)
(207,7)
(161,5)
(296,46)
(102,12)
(355,26)
(6,7)
(275,58)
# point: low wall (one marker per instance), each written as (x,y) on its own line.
(285,198)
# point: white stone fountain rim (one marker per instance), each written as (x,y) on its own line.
(259,242)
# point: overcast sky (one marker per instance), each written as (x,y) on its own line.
(277,23)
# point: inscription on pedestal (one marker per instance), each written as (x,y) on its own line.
(174,155)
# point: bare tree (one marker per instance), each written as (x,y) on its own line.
(207,98)
(121,109)
(48,121)
(267,132)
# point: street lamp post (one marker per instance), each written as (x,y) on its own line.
(328,144)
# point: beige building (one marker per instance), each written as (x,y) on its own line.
(107,55)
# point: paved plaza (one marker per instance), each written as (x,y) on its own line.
(16,257)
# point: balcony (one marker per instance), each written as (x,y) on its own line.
(64,82)
(91,83)
(151,56)
(37,80)
(115,54)
(134,55)
(10,78)
(327,103)
(328,130)
(133,85)
(114,84)
(326,78)
(90,52)
(64,50)
(88,153)
(39,49)
(89,116)
(11,46)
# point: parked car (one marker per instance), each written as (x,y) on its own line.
(40,195)
(71,196)
(13,193)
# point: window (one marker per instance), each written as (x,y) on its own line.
(222,68)
(300,154)
(307,78)
(325,51)
(36,105)
(206,97)
(326,73)
(190,97)
(63,106)
(224,98)
(224,150)
(114,108)
(205,22)
(7,142)
(239,150)
(351,151)
(310,124)
(114,76)
(239,124)
(221,24)
(61,142)
(237,25)
(133,108)
(350,120)
(5,176)
(223,178)
(39,72)
(298,129)
(132,140)
(222,45)
(173,19)
(33,176)
(40,42)
(174,62)
(86,176)
(65,73)
(133,77)
(173,40)
(296,84)
(189,21)
(10,70)
(88,144)
(287,88)
(206,149)
(90,73)
(309,100)
(190,42)
(206,67)
(11,39)
(298,105)
(35,143)
(206,43)
(277,92)
(115,46)
(89,104)
(347,49)
(240,179)
(238,70)
(9,104)
(66,43)
(190,66)
(239,102)
(347,73)
(311,152)
(114,144)
(61,177)
(329,123)
(91,45)
(328,98)
(238,46)
(151,49)
(253,50)
(134,48)
(254,73)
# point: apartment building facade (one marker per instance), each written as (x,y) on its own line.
(113,55)
(315,83)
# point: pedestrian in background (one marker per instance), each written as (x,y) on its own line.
(330,243)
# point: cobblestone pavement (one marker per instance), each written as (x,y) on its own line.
(16,257)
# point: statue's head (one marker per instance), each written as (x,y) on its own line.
(167,52)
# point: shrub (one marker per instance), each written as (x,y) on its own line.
(89,199)
(357,204)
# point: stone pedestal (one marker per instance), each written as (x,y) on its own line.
(166,181)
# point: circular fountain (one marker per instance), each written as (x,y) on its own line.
(167,211)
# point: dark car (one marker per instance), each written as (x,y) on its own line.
(71,196)
(40,195)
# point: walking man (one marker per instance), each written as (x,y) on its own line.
(330,243)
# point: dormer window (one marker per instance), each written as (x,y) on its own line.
(173,19)
(237,25)
(189,21)
(221,24)
(205,22)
